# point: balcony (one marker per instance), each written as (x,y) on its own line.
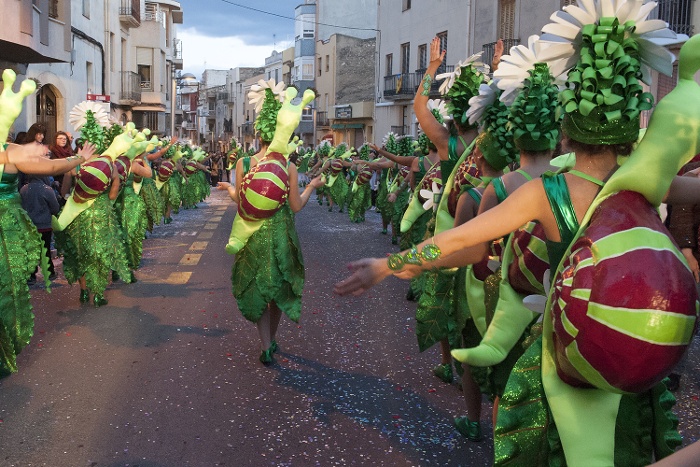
(400,130)
(248,128)
(405,85)
(488,49)
(222,96)
(131,88)
(678,15)
(322,119)
(130,13)
(177,54)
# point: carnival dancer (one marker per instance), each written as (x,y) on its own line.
(88,231)
(21,246)
(585,374)
(436,314)
(361,199)
(268,273)
(146,186)
(323,153)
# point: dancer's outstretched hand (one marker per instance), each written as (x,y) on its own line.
(366,273)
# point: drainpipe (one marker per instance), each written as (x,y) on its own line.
(93,41)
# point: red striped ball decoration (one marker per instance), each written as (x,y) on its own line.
(165,170)
(122,164)
(364,176)
(190,167)
(625,304)
(530,260)
(336,166)
(92,179)
(265,188)
(468,176)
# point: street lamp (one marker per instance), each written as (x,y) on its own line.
(188,79)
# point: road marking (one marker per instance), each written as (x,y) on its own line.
(210,226)
(199,246)
(168,244)
(175,278)
(205,235)
(190,259)
(188,234)
(215,219)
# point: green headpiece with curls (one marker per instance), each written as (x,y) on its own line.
(534,115)
(266,121)
(405,146)
(465,86)
(92,132)
(112,132)
(496,139)
(390,143)
(605,98)
(364,152)
(324,149)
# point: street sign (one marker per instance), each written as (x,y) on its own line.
(343,112)
(98,97)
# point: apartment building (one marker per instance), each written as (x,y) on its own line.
(344,81)
(122,53)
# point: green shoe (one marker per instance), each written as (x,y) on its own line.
(470,430)
(168,220)
(394,241)
(266,357)
(84,295)
(275,348)
(444,372)
(99,300)
(383,231)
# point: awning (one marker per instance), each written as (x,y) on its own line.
(22,54)
(348,126)
(149,108)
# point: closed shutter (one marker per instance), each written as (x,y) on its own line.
(507,19)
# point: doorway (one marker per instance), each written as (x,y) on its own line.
(46,111)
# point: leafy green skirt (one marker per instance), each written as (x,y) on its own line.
(270,268)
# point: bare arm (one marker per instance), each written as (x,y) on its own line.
(529,204)
(139,169)
(229,188)
(437,133)
(161,152)
(296,200)
(31,160)
(114,188)
(403,160)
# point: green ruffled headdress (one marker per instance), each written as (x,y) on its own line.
(390,143)
(363,153)
(495,139)
(324,148)
(461,85)
(90,118)
(267,98)
(613,47)
(532,93)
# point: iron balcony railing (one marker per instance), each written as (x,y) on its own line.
(678,15)
(405,85)
(400,130)
(131,8)
(131,86)
(322,118)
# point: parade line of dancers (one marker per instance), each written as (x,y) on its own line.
(525,215)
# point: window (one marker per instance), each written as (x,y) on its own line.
(86,8)
(328,63)
(90,77)
(389,64)
(567,2)
(443,46)
(144,72)
(112,51)
(319,66)
(53,9)
(422,57)
(406,5)
(307,71)
(506,19)
(307,114)
(405,57)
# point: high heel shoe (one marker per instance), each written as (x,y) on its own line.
(99,300)
(84,295)
(266,357)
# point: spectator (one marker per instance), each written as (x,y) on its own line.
(40,202)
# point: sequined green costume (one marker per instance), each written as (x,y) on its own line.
(93,245)
(20,251)
(131,212)
(155,205)
(525,433)
(270,268)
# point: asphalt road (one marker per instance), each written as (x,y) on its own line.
(168,374)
